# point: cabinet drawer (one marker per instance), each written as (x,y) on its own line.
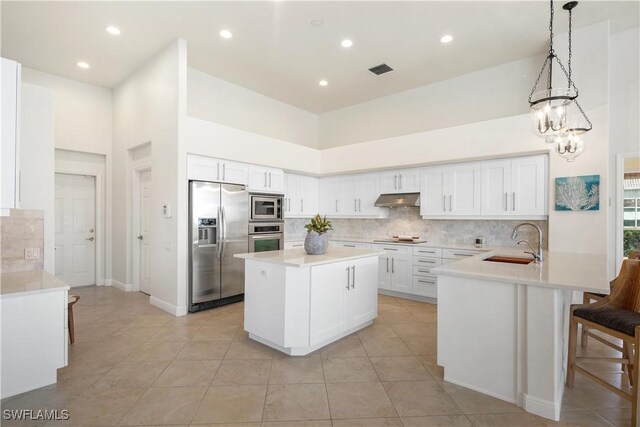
(426,286)
(459,253)
(426,262)
(427,252)
(351,244)
(422,270)
(394,249)
(291,245)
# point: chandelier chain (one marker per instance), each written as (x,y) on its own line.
(551,51)
(570,53)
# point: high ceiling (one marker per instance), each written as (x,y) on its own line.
(275,49)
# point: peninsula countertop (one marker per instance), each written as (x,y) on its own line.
(27,282)
(579,272)
(297,257)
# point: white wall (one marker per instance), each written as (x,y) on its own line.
(212,99)
(37,161)
(147,106)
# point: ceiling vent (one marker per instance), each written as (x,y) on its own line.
(380,69)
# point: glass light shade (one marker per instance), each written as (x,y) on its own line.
(570,145)
(549,112)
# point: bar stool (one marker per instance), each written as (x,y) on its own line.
(72,300)
(617,315)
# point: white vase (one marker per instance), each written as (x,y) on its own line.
(316,244)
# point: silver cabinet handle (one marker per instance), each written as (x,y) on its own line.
(218,175)
(427,281)
(265,179)
(514,200)
(348,276)
(353,277)
(91,239)
(395,182)
(389,249)
(355,205)
(301,205)
(450,203)
(463,254)
(427,261)
(224,171)
(427,252)
(387,265)
(336,205)
(444,203)
(506,203)
(400,180)
(359,205)
(269,179)
(349,246)
(423,271)
(393,265)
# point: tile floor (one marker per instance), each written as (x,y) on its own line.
(133,364)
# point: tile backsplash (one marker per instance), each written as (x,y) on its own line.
(407,221)
(20,230)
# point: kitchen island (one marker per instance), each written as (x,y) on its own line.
(503,327)
(298,303)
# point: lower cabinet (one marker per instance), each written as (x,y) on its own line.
(343,296)
(395,268)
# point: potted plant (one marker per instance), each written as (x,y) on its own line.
(317,241)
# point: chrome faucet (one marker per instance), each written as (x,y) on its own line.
(537,256)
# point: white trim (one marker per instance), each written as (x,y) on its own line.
(169,308)
(412,297)
(619,207)
(128,287)
(543,408)
(136,169)
(98,172)
(480,390)
(487,217)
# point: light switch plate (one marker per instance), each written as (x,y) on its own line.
(32,253)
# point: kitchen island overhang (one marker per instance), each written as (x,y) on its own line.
(503,328)
(297,303)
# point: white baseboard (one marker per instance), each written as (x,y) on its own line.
(542,407)
(480,390)
(169,308)
(128,287)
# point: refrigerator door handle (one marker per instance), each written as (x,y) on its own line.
(223,231)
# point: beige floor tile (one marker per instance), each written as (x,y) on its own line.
(290,370)
(348,369)
(413,329)
(204,350)
(430,364)
(238,372)
(312,423)
(619,417)
(582,418)
(420,398)
(152,320)
(131,375)
(382,330)
(110,350)
(385,347)
(165,406)
(425,316)
(438,421)
(505,420)
(231,404)
(138,333)
(223,331)
(188,373)
(249,349)
(472,402)
(156,351)
(349,346)
(82,374)
(368,422)
(400,368)
(286,402)
(593,395)
(421,346)
(171,332)
(359,400)
(405,317)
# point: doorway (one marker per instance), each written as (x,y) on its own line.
(631,205)
(75,229)
(142,227)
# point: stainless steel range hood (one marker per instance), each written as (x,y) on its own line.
(398,200)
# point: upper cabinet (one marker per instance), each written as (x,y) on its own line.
(450,190)
(351,196)
(10,152)
(265,179)
(515,187)
(300,196)
(202,168)
(400,181)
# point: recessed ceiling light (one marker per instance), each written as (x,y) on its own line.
(446,38)
(323,82)
(115,31)
(317,22)
(83,65)
(226,34)
(346,43)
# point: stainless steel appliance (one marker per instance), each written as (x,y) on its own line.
(266,236)
(398,200)
(266,207)
(218,220)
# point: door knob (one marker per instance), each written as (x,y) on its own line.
(140,237)
(91,239)
(91,230)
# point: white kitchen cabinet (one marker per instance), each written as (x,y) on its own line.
(300,196)
(10,148)
(351,196)
(451,190)
(400,181)
(515,187)
(367,192)
(203,168)
(425,285)
(395,268)
(266,179)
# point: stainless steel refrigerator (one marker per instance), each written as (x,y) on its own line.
(218,229)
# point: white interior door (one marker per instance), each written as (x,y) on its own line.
(144,236)
(75,241)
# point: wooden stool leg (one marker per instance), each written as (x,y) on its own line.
(584,337)
(628,353)
(635,396)
(70,317)
(573,335)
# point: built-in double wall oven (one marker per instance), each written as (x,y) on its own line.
(266,226)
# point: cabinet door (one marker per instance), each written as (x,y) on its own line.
(328,196)
(291,195)
(234,172)
(329,301)
(308,195)
(367,192)
(363,294)
(347,200)
(275,180)
(409,180)
(464,189)
(258,178)
(384,272)
(434,192)
(9,171)
(528,186)
(201,168)
(401,273)
(496,186)
(389,182)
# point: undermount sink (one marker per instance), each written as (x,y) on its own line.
(509,260)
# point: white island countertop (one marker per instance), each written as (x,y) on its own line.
(297,257)
(579,272)
(27,282)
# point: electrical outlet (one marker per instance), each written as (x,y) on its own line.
(32,253)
